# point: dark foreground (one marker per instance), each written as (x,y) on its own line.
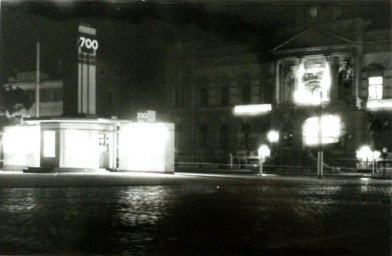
(201,216)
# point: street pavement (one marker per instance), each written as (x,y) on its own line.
(193,214)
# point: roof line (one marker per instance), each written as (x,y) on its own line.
(316,30)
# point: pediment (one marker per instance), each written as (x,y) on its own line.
(312,38)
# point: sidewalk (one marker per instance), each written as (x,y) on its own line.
(340,174)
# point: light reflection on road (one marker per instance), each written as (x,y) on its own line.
(211,215)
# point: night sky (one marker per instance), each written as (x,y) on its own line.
(136,34)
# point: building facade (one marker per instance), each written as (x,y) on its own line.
(341,62)
(51,93)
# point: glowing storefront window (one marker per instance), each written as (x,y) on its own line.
(21,145)
(331,129)
(142,147)
(375,88)
(49,144)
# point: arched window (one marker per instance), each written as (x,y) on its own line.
(244,138)
(203,130)
(224,136)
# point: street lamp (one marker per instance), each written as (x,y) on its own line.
(264,152)
(273,136)
(365,154)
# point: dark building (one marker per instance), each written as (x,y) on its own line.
(346,61)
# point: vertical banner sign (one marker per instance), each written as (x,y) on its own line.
(87,57)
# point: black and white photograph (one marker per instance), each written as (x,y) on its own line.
(196,127)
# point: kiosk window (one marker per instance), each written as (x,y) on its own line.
(49,144)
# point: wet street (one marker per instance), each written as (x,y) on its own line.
(203,216)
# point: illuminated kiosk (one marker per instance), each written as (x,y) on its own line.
(89,144)
(81,141)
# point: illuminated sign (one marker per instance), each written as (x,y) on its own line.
(87,58)
(313,82)
(88,45)
(379,104)
(331,129)
(147,116)
(251,110)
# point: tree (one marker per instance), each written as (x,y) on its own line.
(12,100)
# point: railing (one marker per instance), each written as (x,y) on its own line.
(305,164)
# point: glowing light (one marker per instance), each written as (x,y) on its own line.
(21,145)
(308,92)
(331,129)
(375,88)
(49,144)
(80,149)
(143,146)
(379,104)
(366,154)
(252,109)
(264,151)
(273,136)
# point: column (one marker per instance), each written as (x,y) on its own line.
(277,81)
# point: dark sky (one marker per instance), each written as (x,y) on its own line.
(136,34)
(24,22)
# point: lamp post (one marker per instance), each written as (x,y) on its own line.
(37,83)
(320,154)
(264,152)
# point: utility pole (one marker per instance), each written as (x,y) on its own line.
(37,85)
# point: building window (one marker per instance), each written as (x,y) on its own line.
(58,96)
(244,139)
(224,96)
(203,130)
(244,83)
(224,136)
(375,88)
(204,97)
